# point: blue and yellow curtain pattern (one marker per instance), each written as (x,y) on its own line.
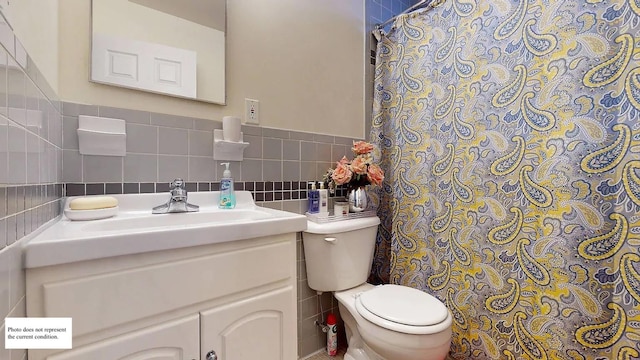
(509,132)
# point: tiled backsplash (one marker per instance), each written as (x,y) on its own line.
(260,190)
(162,147)
(26,208)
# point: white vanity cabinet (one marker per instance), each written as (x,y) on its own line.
(173,340)
(249,329)
(236,298)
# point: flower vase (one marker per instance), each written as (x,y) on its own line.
(357,198)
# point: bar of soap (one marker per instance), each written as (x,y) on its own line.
(93,203)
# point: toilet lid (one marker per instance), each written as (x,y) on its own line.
(402,305)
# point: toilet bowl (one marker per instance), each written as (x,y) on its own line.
(385,322)
(375,336)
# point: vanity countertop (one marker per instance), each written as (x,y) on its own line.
(135,230)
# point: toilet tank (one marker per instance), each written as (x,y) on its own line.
(339,254)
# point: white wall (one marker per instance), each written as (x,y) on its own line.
(303,59)
(35,23)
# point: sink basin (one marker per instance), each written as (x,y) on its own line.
(179,219)
(135,230)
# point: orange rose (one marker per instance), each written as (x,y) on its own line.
(342,174)
(344,160)
(368,158)
(362,147)
(359,166)
(375,174)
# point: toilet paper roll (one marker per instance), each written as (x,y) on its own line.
(231,128)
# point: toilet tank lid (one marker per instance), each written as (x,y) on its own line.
(341,226)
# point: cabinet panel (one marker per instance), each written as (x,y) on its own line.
(261,327)
(136,293)
(175,340)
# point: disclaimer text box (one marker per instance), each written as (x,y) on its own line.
(37,333)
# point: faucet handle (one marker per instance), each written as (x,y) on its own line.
(177,183)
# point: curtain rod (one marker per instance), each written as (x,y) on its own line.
(410,9)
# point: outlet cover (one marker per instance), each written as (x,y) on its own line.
(251,111)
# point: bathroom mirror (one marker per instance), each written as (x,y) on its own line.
(176,48)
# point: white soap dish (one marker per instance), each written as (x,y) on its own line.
(101,136)
(84,215)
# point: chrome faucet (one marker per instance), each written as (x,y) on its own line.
(178,201)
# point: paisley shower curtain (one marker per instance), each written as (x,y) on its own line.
(509,132)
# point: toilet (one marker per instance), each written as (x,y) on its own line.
(384,322)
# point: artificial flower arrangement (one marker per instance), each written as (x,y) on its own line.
(357,172)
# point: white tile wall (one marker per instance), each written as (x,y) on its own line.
(30,170)
(5,284)
(4,353)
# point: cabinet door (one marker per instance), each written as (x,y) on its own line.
(261,327)
(174,340)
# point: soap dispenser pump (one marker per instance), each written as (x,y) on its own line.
(227,193)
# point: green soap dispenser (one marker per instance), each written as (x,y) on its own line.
(227,193)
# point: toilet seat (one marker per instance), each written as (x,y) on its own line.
(403,309)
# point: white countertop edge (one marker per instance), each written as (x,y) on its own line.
(46,246)
(39,254)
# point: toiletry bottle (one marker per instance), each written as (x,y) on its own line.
(227,194)
(332,335)
(323,199)
(314,199)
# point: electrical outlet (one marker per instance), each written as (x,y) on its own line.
(251,111)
